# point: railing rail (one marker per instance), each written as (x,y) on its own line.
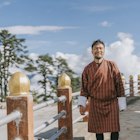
(41,105)
(74,107)
(11,117)
(75,94)
(45,124)
(126,89)
(59,132)
(79,118)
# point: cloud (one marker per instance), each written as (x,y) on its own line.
(34,30)
(120,51)
(5,3)
(105,24)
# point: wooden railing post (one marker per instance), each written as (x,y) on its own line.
(64,88)
(123,80)
(131,84)
(20,100)
(138,84)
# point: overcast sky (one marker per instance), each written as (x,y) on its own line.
(68,28)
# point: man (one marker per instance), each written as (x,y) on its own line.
(102,84)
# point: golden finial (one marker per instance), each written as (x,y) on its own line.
(19,84)
(122,76)
(139,77)
(131,77)
(64,81)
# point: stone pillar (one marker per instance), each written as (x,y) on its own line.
(19,99)
(64,88)
(131,84)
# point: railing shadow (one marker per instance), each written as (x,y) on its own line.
(47,134)
(131,100)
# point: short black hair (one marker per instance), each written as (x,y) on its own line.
(96,42)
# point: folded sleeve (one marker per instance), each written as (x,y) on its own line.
(82,101)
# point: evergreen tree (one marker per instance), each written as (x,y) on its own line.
(44,69)
(75,82)
(12,53)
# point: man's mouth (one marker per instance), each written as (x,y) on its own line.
(98,57)
(98,53)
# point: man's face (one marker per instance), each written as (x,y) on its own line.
(98,51)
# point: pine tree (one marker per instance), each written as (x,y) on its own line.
(13,53)
(44,69)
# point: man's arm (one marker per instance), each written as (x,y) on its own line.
(120,89)
(118,82)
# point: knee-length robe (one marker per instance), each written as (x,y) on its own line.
(102,84)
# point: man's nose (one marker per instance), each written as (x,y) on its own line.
(97,49)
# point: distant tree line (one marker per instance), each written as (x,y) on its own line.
(14,54)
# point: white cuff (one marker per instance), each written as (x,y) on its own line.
(122,103)
(82,101)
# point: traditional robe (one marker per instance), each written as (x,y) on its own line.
(102,85)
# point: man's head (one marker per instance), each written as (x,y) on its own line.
(98,49)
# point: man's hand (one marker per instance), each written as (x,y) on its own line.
(82,110)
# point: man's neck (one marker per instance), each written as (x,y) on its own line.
(98,60)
